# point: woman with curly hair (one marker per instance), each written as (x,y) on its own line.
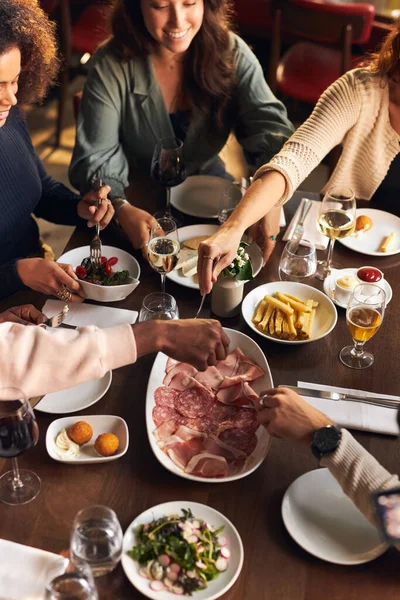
(173,68)
(28,65)
(361,110)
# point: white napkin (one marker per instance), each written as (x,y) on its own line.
(282,220)
(311,233)
(80,314)
(355,415)
(25,571)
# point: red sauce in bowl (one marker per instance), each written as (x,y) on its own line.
(369,274)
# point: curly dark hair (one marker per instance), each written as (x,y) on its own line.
(25,26)
(209,75)
(386,62)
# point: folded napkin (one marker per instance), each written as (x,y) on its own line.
(311,233)
(25,571)
(355,415)
(81,314)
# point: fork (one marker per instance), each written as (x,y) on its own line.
(95,244)
(57,319)
(250,399)
(201,305)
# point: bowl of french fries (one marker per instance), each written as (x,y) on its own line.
(289,313)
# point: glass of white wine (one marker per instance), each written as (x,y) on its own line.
(364,317)
(164,248)
(336,220)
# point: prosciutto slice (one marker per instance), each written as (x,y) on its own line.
(207,465)
(211,378)
(230,364)
(183,368)
(233,394)
(247,371)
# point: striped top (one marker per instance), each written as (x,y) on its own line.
(354,111)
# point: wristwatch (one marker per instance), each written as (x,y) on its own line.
(117,204)
(326,439)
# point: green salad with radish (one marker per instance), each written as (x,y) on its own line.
(180,554)
(103,274)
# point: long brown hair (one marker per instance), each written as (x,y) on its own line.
(386,62)
(209,71)
(25,26)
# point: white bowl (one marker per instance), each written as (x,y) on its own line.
(325,316)
(215,588)
(254,352)
(100,424)
(103,293)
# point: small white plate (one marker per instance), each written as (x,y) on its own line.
(329,285)
(100,424)
(383,223)
(185,233)
(198,195)
(253,351)
(215,588)
(324,521)
(325,316)
(75,398)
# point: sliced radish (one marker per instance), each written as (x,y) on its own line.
(221,564)
(196,524)
(225,552)
(193,539)
(168,584)
(164,560)
(223,540)
(181,525)
(177,589)
(171,575)
(157,586)
(191,574)
(200,549)
(201,565)
(175,567)
(143,572)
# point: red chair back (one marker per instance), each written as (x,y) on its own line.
(323,21)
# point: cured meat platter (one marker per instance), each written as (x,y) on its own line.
(180,418)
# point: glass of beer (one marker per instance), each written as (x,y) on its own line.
(364,317)
(336,220)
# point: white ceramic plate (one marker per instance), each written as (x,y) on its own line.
(102,293)
(75,398)
(329,285)
(325,316)
(325,522)
(253,351)
(199,195)
(185,233)
(383,223)
(100,424)
(215,588)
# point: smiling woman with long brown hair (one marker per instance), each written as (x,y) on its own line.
(172,68)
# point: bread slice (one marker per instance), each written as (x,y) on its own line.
(186,254)
(195,242)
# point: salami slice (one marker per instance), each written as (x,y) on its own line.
(201,424)
(245,418)
(241,439)
(165,396)
(194,402)
(164,413)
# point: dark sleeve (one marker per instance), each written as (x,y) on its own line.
(57,203)
(10,281)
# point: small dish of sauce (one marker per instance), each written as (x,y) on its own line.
(369,275)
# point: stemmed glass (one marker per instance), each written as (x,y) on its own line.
(364,316)
(18,433)
(229,200)
(158,306)
(336,220)
(298,261)
(167,166)
(164,248)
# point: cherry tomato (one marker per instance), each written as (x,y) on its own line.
(103,260)
(107,269)
(81,272)
(112,261)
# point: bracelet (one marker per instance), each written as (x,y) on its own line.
(117,204)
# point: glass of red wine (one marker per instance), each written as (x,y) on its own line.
(168,167)
(18,433)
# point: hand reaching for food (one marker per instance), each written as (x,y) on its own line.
(50,278)
(26,314)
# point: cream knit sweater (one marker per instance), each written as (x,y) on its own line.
(354,111)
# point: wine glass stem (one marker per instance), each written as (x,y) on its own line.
(358,349)
(330,252)
(168,205)
(16,482)
(163,283)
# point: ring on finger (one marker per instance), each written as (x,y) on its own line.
(208,257)
(273,238)
(263,401)
(64,294)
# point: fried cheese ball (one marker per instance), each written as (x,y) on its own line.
(80,432)
(106,444)
(363,223)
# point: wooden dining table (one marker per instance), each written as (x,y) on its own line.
(275,567)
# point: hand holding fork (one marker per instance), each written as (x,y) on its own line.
(95,244)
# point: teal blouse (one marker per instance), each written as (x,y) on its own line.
(123,114)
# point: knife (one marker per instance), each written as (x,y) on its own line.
(385,402)
(299,229)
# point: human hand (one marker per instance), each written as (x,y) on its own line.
(49,277)
(26,314)
(265,232)
(137,224)
(287,415)
(87,207)
(215,254)
(199,342)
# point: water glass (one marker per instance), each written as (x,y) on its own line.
(96,539)
(158,306)
(229,200)
(76,583)
(298,261)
